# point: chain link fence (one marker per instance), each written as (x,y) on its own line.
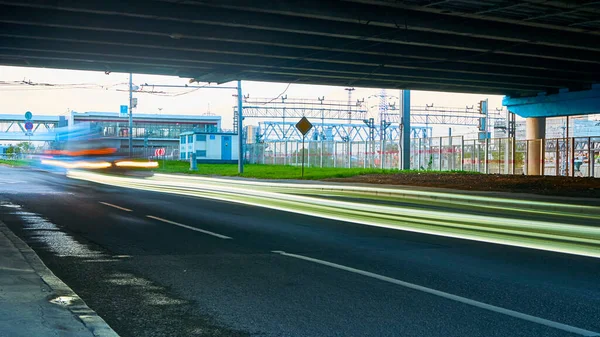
(559,156)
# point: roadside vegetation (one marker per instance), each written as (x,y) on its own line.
(14,162)
(277,171)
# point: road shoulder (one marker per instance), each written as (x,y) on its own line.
(39,303)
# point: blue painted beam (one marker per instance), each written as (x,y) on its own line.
(406,129)
(565,103)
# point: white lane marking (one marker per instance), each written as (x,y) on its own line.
(115,206)
(4,181)
(189,227)
(17,269)
(449,296)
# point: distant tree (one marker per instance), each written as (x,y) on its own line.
(25,147)
(13,150)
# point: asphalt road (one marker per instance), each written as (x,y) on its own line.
(154,264)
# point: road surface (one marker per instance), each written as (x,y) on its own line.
(157,264)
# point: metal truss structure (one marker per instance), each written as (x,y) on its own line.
(422,117)
(298,108)
(430,115)
(339,110)
(278,131)
(12,128)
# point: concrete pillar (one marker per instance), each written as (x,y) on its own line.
(535,134)
(405,130)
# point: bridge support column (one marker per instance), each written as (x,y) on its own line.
(535,134)
(405,131)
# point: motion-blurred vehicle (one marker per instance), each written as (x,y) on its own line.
(82,147)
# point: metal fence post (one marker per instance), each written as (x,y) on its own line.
(557,159)
(572,160)
(334,154)
(507,156)
(430,152)
(478,155)
(366,154)
(526,161)
(451,147)
(499,145)
(543,156)
(590,156)
(473,157)
(419,153)
(440,154)
(348,153)
(462,153)
(381,152)
(513,155)
(322,149)
(593,159)
(485,153)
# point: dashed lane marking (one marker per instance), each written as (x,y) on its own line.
(189,227)
(115,206)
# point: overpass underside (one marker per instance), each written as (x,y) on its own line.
(492,47)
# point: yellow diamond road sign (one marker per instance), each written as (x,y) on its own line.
(304,126)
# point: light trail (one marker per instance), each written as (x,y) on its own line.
(137,164)
(545,235)
(382,191)
(77,164)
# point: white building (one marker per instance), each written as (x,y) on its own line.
(217,147)
(154,130)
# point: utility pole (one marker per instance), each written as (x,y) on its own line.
(240,126)
(350,90)
(283,98)
(130,115)
(382,117)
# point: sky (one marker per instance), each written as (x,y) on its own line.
(81,91)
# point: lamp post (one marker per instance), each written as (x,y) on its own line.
(130,115)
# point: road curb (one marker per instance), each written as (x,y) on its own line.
(90,319)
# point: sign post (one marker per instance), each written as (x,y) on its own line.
(28,124)
(303,126)
(123,111)
(161,152)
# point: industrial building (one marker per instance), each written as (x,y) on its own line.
(148,129)
(209,147)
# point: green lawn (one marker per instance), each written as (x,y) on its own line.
(15,162)
(272,171)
